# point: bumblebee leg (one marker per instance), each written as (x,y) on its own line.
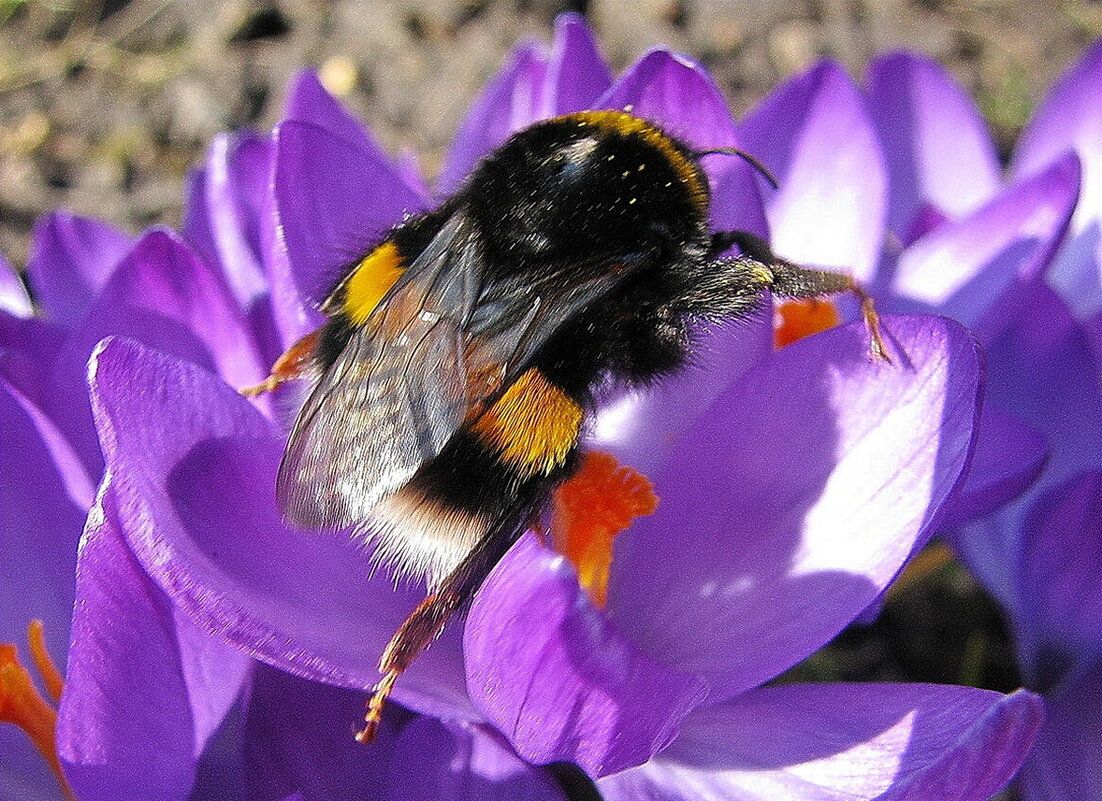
(427,621)
(416,633)
(288,367)
(793,281)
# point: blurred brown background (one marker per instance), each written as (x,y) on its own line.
(105,103)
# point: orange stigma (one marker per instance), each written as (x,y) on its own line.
(23,705)
(802,318)
(597,503)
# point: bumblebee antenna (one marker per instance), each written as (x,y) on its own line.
(742,154)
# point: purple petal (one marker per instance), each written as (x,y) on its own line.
(1009,456)
(162,294)
(44,493)
(815,134)
(938,148)
(71,259)
(513,99)
(1041,369)
(1066,764)
(298,739)
(310,102)
(550,672)
(293,314)
(576,73)
(843,742)
(334,199)
(965,268)
(434,761)
(13,295)
(677,93)
(641,426)
(680,96)
(222,218)
(796,499)
(143,693)
(1062,569)
(194,467)
(1070,118)
(29,347)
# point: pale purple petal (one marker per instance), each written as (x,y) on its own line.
(71,259)
(433,760)
(1070,118)
(938,148)
(550,672)
(1008,457)
(1066,764)
(24,775)
(679,95)
(140,701)
(1041,368)
(964,268)
(193,464)
(576,73)
(163,295)
(334,199)
(44,493)
(222,217)
(1062,571)
(513,99)
(815,134)
(842,742)
(13,295)
(795,500)
(641,426)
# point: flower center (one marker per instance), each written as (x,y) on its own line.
(597,503)
(797,319)
(23,705)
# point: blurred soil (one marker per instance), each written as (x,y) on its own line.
(104,104)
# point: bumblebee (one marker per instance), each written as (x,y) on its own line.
(460,357)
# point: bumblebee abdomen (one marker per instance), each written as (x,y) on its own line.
(505,459)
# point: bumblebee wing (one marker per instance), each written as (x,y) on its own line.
(394,396)
(514,319)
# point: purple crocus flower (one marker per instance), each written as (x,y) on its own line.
(793,487)
(155,706)
(1014,259)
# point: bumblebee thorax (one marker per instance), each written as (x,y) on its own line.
(593,182)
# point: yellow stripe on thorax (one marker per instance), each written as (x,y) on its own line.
(620,122)
(371,280)
(532,426)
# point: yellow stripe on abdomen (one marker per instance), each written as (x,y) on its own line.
(371,280)
(532,426)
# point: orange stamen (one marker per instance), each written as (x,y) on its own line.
(597,503)
(23,705)
(802,318)
(47,669)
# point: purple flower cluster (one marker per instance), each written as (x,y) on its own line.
(212,651)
